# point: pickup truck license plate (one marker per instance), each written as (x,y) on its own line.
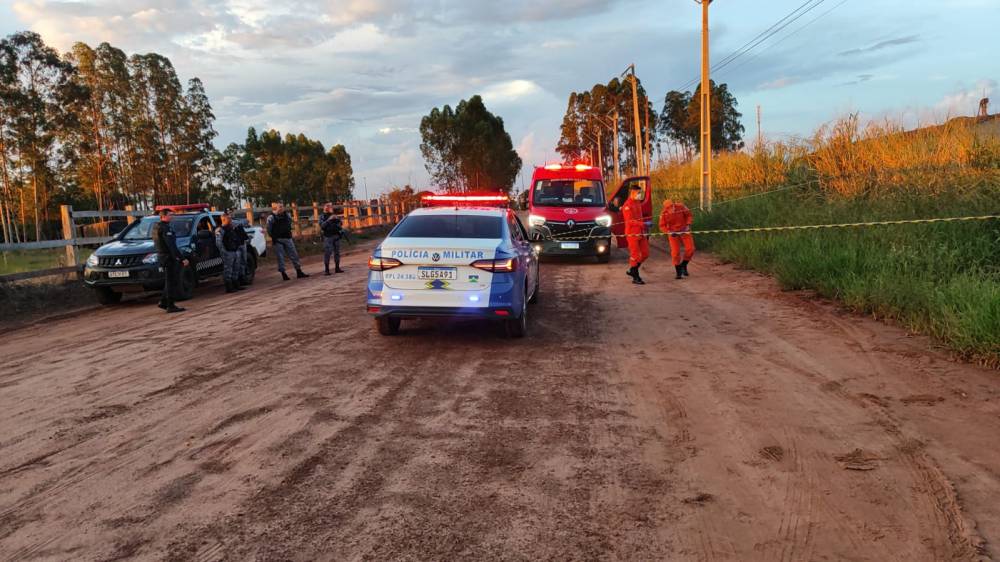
(435,273)
(570,245)
(117,274)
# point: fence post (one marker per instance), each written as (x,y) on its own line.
(131,218)
(316,217)
(69,233)
(295,220)
(346,215)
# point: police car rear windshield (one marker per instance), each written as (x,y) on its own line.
(143,230)
(449,226)
(569,193)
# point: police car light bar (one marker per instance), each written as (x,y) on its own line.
(182,208)
(467,199)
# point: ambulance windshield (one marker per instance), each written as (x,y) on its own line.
(568,193)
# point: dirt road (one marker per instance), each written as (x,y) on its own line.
(710,419)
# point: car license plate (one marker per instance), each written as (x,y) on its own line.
(117,274)
(570,245)
(435,273)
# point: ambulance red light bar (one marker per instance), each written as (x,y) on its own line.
(465,199)
(577,167)
(183,208)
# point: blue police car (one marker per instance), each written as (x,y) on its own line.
(458,259)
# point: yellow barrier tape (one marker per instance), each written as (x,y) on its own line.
(812,226)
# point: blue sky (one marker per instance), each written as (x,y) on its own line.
(363,72)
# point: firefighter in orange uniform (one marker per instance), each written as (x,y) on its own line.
(635,230)
(675,220)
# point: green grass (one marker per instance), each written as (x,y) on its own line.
(33,260)
(938,279)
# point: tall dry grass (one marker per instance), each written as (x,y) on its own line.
(941,279)
(851,159)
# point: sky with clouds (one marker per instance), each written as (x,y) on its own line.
(363,72)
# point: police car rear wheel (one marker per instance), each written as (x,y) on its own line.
(518,327)
(534,295)
(387,326)
(251,267)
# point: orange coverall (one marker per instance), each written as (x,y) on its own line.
(635,224)
(676,217)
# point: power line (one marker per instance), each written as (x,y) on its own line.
(786,37)
(761,37)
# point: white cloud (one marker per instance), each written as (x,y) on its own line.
(510,90)
(965,101)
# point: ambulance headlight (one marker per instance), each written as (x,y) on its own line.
(535,220)
(603,220)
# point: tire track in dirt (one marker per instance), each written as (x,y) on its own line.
(694,420)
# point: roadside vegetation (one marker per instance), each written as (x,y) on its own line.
(941,279)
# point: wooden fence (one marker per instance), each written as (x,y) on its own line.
(305,221)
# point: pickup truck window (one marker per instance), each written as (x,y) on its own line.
(143,229)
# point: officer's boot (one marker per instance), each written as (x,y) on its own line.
(636,279)
(684,267)
(337,268)
(326,269)
(680,271)
(632,272)
(284,276)
(299,274)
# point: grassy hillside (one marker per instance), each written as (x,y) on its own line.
(938,279)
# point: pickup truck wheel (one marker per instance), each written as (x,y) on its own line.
(185,289)
(251,266)
(387,326)
(107,296)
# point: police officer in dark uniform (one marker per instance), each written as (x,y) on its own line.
(333,231)
(241,257)
(279,226)
(228,241)
(170,259)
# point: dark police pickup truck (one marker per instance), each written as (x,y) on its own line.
(128,263)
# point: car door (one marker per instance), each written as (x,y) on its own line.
(526,254)
(209,258)
(617,200)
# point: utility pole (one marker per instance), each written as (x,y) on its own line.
(706,113)
(648,162)
(617,165)
(639,157)
(600,153)
(760,135)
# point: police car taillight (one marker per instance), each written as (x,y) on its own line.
(382,264)
(496,266)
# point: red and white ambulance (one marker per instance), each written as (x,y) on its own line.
(571,213)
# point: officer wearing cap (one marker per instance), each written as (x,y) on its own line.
(169,257)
